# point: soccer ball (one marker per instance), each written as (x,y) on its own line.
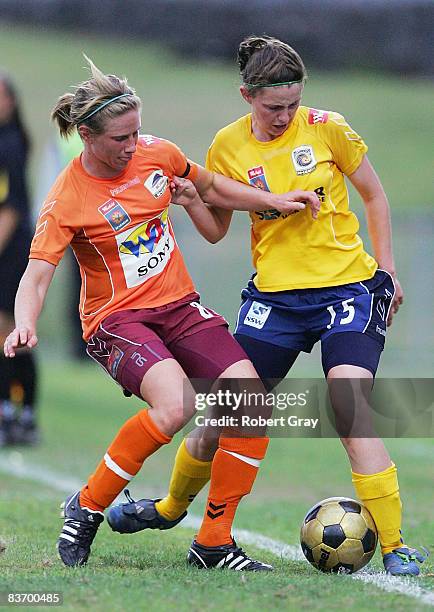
(338,535)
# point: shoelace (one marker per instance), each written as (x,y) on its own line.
(405,558)
(128,496)
(412,556)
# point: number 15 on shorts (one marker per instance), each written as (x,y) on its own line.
(346,316)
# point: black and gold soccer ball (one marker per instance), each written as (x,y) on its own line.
(338,535)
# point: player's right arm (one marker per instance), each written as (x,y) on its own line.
(28,305)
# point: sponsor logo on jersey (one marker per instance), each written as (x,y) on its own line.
(257,178)
(115,214)
(117,190)
(303,159)
(145,249)
(317,116)
(157,183)
(320,193)
(257,315)
(114,360)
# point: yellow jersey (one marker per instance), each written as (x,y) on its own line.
(316,151)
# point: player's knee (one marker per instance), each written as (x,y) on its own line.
(170,417)
(206,447)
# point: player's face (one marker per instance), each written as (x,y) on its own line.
(109,153)
(273,109)
(6,104)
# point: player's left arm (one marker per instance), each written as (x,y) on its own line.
(211,223)
(368,185)
(223,192)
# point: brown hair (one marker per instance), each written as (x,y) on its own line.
(72,109)
(267,60)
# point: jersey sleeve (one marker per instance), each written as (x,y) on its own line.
(214,160)
(179,163)
(58,221)
(347,147)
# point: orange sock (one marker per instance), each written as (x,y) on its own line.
(138,438)
(233,473)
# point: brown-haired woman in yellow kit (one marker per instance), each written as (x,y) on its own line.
(313,281)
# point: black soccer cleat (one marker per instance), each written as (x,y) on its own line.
(138,515)
(228,556)
(78,531)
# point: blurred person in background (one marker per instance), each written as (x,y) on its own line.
(142,318)
(313,282)
(18,378)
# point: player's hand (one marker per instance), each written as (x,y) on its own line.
(20,337)
(294,201)
(184,193)
(397,301)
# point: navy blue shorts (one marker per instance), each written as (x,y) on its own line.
(295,320)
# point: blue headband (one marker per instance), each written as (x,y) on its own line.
(101,106)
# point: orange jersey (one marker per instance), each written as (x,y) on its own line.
(120,232)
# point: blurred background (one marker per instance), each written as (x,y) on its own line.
(371,60)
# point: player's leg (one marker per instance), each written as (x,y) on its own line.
(374,475)
(140,368)
(17,392)
(192,467)
(234,469)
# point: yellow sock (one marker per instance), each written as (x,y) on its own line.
(380,494)
(189,476)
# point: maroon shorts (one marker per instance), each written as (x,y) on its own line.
(129,342)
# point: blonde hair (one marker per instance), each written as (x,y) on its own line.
(81,107)
(264,60)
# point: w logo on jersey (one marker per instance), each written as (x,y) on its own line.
(145,237)
(145,250)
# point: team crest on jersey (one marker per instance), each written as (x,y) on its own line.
(145,249)
(303,159)
(317,116)
(257,178)
(115,214)
(156,183)
(114,360)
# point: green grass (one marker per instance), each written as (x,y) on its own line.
(80,412)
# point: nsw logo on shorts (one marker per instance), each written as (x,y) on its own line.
(257,315)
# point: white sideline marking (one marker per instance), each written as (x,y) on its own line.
(14,465)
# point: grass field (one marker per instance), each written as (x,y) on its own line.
(148,569)
(81,410)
